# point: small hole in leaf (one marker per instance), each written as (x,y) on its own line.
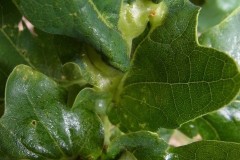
(24,53)
(34,123)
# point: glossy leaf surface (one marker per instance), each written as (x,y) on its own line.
(94,21)
(90,68)
(225,36)
(92,100)
(223,124)
(42,51)
(143,145)
(226,122)
(172,79)
(38,125)
(214,11)
(204,150)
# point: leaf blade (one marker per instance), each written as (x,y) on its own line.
(81,19)
(178,80)
(224,123)
(143,145)
(206,150)
(37,116)
(225,36)
(213,12)
(221,125)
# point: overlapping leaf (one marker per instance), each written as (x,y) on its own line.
(1,108)
(94,21)
(204,150)
(143,145)
(172,79)
(10,57)
(44,52)
(165,134)
(225,36)
(92,100)
(90,68)
(38,125)
(198,2)
(214,11)
(225,123)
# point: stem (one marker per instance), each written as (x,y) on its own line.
(107,128)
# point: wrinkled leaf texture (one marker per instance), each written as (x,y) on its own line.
(37,124)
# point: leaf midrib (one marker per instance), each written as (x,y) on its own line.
(15,47)
(18,140)
(99,14)
(175,83)
(39,120)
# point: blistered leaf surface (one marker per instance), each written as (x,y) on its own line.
(42,51)
(37,124)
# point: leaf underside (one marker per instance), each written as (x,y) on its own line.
(94,21)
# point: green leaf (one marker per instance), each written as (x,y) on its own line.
(127,156)
(204,150)
(214,11)
(172,79)
(92,100)
(91,20)
(143,145)
(165,134)
(1,108)
(226,122)
(91,69)
(223,124)
(42,51)
(201,127)
(10,57)
(190,129)
(46,52)
(38,125)
(225,36)
(198,2)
